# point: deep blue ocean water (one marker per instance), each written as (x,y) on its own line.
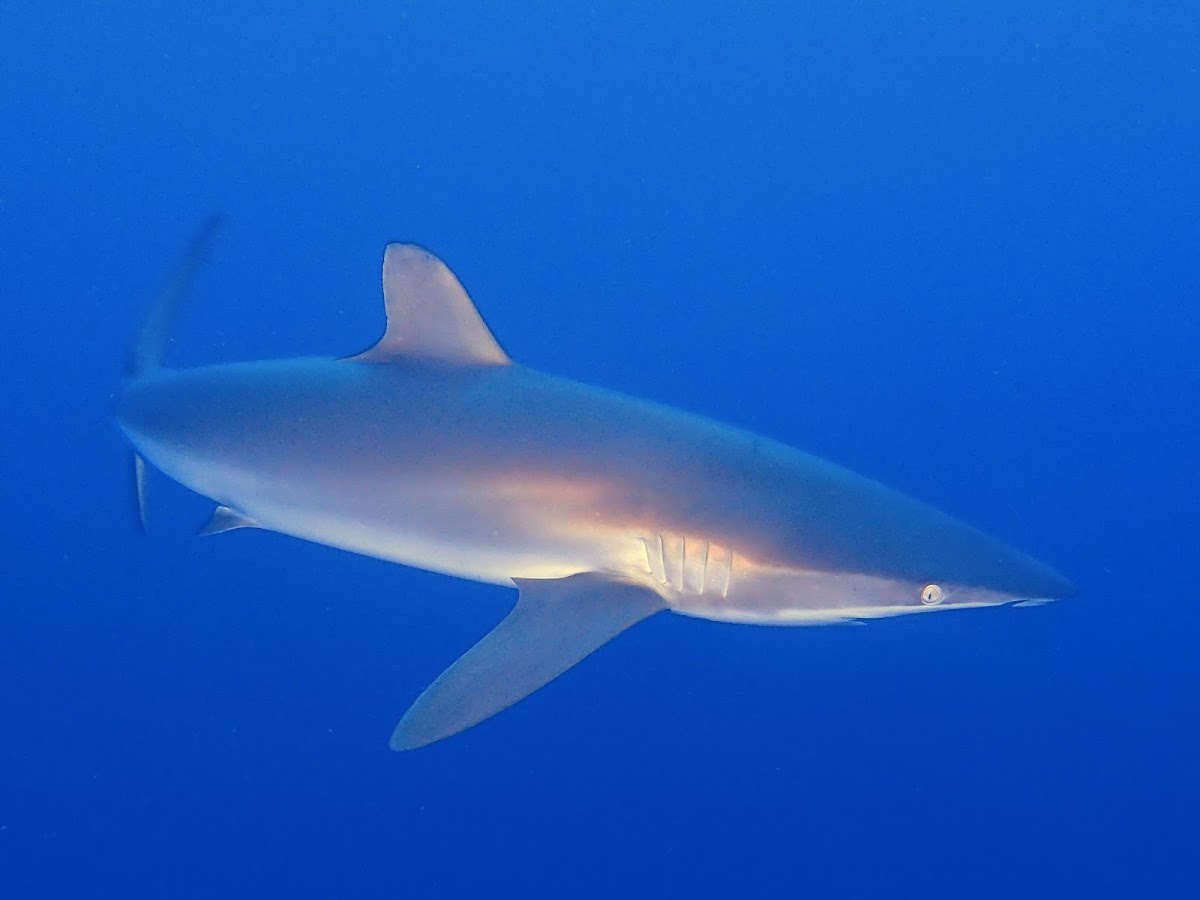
(953,246)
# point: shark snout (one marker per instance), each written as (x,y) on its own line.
(1008,575)
(1045,583)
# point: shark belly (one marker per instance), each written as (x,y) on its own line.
(496,555)
(488,532)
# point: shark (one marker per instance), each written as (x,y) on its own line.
(434,449)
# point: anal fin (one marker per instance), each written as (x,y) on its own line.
(225,519)
(555,624)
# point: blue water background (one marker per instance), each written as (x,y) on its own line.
(951,245)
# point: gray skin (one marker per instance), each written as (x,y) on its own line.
(435,450)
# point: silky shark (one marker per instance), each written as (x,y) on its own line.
(435,450)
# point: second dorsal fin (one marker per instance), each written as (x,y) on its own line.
(429,315)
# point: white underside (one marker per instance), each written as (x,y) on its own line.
(695,576)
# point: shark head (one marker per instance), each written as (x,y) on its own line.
(803,594)
(824,544)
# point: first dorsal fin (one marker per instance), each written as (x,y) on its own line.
(429,315)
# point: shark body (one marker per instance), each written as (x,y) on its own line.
(435,450)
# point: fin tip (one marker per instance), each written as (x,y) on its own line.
(403,738)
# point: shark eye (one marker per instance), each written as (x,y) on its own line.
(931,595)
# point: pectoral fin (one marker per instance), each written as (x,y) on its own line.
(555,624)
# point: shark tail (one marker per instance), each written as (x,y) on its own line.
(149,351)
(154,338)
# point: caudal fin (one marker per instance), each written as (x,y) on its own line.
(150,347)
(149,351)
